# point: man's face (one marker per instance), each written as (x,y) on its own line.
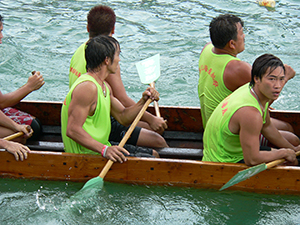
(240,41)
(113,66)
(272,83)
(1,35)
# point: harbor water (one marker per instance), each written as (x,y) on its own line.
(42,35)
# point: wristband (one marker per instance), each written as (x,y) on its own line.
(104,150)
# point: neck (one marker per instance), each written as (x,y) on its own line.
(223,51)
(260,97)
(98,76)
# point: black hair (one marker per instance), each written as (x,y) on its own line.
(262,64)
(98,48)
(223,28)
(1,19)
(101,20)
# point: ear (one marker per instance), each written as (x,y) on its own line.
(106,61)
(113,30)
(256,79)
(231,44)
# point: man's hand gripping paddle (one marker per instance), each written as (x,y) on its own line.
(97,182)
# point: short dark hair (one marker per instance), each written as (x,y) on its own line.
(101,20)
(262,64)
(1,18)
(223,28)
(98,48)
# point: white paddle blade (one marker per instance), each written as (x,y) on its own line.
(149,69)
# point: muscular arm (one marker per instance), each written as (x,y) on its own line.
(125,115)
(236,74)
(10,99)
(247,122)
(83,103)
(118,91)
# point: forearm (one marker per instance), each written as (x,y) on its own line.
(80,136)
(7,122)
(128,114)
(13,98)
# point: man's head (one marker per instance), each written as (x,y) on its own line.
(101,21)
(225,28)
(268,76)
(264,65)
(1,28)
(99,49)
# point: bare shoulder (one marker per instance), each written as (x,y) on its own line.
(85,91)
(236,74)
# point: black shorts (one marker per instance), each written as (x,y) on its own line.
(136,151)
(118,131)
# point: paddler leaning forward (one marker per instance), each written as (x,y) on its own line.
(232,132)
(85,115)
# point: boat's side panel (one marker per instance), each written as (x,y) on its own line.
(73,167)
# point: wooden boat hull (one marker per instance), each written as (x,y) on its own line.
(147,171)
(184,136)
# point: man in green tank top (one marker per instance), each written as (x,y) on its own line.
(233,130)
(85,115)
(221,72)
(101,21)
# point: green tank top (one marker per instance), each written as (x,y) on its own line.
(220,145)
(97,125)
(211,87)
(77,64)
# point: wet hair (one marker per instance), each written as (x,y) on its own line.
(223,28)
(262,64)
(1,19)
(101,20)
(98,48)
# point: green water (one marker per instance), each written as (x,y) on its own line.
(43,34)
(41,202)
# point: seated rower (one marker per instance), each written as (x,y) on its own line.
(8,127)
(232,131)
(85,116)
(35,82)
(101,21)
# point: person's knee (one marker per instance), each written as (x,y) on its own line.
(290,137)
(161,142)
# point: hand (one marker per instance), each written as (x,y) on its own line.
(158,124)
(289,72)
(115,153)
(26,129)
(290,157)
(36,81)
(150,93)
(18,150)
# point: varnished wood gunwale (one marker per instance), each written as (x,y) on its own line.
(145,171)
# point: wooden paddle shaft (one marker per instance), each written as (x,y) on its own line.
(13,136)
(278,161)
(126,136)
(152,84)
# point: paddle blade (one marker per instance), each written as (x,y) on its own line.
(244,175)
(94,183)
(149,69)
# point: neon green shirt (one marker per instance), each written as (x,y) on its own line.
(97,125)
(220,145)
(77,64)
(211,87)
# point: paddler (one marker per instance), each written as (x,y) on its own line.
(232,131)
(85,115)
(221,72)
(101,21)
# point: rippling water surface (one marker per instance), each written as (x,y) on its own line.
(43,34)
